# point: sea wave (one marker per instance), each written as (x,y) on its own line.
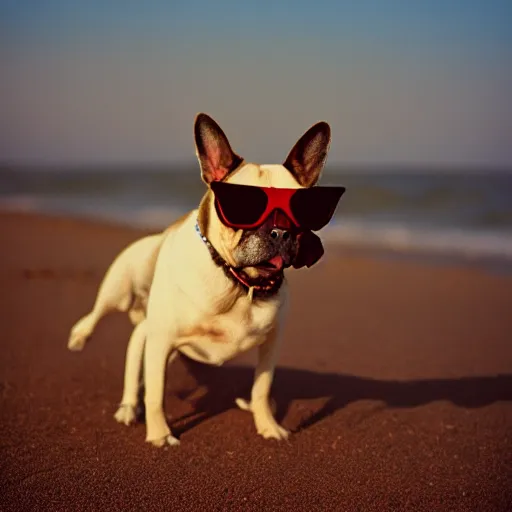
(402,237)
(394,236)
(152,218)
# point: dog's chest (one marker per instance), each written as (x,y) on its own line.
(218,338)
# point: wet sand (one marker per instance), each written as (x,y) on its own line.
(395,378)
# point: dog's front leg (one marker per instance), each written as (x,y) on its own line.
(157,350)
(127,409)
(260,407)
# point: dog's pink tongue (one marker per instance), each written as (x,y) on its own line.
(277,261)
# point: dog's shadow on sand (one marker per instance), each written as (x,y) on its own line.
(327,392)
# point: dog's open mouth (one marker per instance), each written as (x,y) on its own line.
(271,267)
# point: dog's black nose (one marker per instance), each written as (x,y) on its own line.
(279,234)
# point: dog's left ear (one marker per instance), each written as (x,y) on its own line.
(310,250)
(307,158)
(213,150)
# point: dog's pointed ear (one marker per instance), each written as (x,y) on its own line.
(310,250)
(307,158)
(213,150)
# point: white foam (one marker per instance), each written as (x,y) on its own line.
(20,203)
(152,218)
(387,236)
(399,237)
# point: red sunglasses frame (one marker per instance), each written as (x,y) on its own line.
(277,199)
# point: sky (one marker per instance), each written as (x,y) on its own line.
(400,82)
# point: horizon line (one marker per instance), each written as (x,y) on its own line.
(182,166)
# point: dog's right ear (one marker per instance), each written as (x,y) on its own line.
(214,153)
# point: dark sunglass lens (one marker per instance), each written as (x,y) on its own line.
(314,207)
(241,205)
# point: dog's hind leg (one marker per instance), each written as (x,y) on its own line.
(127,412)
(125,287)
(137,313)
(115,293)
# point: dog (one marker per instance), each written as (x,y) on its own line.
(212,285)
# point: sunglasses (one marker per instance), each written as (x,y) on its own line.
(247,207)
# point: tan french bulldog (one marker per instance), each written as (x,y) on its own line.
(212,285)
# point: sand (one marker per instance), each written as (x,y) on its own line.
(395,378)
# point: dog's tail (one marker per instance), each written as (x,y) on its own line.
(246,406)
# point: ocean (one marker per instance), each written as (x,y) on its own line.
(454,214)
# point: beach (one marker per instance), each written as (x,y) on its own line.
(395,378)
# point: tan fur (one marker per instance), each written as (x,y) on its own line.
(182,301)
(214,334)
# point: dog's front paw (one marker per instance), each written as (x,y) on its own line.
(126,414)
(165,441)
(269,428)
